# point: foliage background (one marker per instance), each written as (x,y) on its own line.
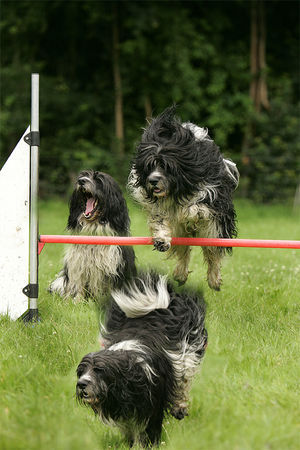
(193,53)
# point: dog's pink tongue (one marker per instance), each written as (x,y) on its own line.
(89,205)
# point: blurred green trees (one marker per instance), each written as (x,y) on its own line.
(193,53)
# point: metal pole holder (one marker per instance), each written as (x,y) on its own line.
(33,139)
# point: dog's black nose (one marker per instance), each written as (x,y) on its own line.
(81,181)
(154,179)
(82,384)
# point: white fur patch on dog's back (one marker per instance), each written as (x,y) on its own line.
(135,346)
(137,303)
(201,134)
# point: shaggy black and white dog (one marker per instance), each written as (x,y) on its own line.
(186,186)
(154,340)
(97,207)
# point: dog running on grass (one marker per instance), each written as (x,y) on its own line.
(97,207)
(186,186)
(153,339)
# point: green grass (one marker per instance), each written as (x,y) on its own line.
(247,393)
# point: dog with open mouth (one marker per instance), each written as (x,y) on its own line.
(154,340)
(98,208)
(186,185)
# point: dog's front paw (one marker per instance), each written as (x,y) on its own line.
(161,245)
(58,286)
(179,412)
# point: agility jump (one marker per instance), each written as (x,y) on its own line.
(20,247)
(139,240)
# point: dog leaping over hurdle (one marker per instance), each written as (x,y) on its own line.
(184,183)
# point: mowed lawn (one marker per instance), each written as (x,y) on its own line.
(247,393)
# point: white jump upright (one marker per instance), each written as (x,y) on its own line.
(19,224)
(14,236)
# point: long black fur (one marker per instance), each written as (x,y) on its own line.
(118,387)
(187,163)
(108,217)
(193,171)
(112,206)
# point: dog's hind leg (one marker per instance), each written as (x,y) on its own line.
(213,257)
(181,272)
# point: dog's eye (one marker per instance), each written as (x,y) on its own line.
(80,371)
(152,167)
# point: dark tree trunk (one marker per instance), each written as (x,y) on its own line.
(258,84)
(258,87)
(148,107)
(119,126)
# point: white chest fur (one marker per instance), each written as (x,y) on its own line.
(91,266)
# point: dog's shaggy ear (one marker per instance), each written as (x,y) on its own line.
(114,208)
(101,385)
(76,205)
